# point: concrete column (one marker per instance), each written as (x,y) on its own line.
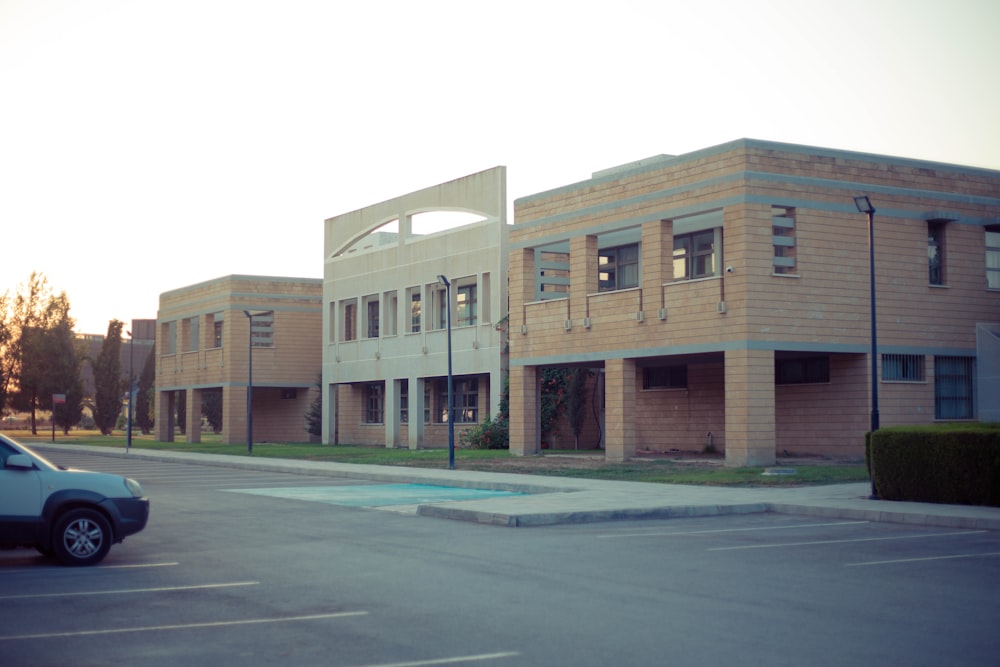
(584,274)
(750,423)
(619,388)
(525,426)
(193,425)
(329,399)
(657,262)
(415,430)
(390,412)
(234,415)
(164,416)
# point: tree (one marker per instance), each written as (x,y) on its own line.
(576,402)
(108,380)
(144,396)
(314,417)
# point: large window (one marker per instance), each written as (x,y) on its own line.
(802,370)
(993,257)
(218,322)
(618,267)
(371,311)
(350,320)
(695,254)
(466,392)
(466,305)
(783,239)
(903,367)
(953,387)
(415,308)
(665,377)
(374,403)
(262,329)
(935,251)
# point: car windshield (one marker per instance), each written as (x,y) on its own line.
(39,459)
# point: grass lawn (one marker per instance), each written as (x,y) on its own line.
(586,464)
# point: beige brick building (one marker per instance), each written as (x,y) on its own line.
(204,340)
(723,296)
(385,339)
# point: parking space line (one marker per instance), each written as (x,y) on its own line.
(183,626)
(449,661)
(134,566)
(732,530)
(860,539)
(915,560)
(128,591)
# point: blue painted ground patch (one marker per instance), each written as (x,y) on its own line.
(378,495)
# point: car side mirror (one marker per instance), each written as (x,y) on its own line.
(19,461)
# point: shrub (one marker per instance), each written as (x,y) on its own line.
(491,434)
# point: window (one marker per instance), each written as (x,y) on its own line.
(903,367)
(372,316)
(262,329)
(374,403)
(783,239)
(466,400)
(802,370)
(415,307)
(350,320)
(218,319)
(390,314)
(190,331)
(618,267)
(935,251)
(404,401)
(466,305)
(665,377)
(953,387)
(694,255)
(439,297)
(993,257)
(552,281)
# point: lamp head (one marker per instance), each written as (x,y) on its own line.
(444,281)
(864,204)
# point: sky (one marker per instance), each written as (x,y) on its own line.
(150,145)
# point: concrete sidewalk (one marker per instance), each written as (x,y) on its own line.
(560,500)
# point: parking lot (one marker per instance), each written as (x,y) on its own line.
(250,567)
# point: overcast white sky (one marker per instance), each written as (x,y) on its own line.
(148,145)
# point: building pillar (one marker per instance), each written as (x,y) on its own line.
(390,412)
(415,413)
(193,416)
(164,415)
(234,415)
(619,392)
(585,271)
(524,425)
(750,416)
(329,403)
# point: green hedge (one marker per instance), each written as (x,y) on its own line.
(956,465)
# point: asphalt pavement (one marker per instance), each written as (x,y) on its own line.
(559,500)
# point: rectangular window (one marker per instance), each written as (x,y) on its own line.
(439,301)
(802,370)
(903,367)
(350,320)
(466,395)
(218,320)
(993,257)
(783,239)
(191,332)
(618,268)
(935,251)
(390,314)
(374,403)
(404,401)
(168,333)
(695,255)
(415,308)
(262,329)
(371,313)
(665,377)
(953,387)
(466,305)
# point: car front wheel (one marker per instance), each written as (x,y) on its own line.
(82,537)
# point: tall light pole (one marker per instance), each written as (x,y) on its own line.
(131,387)
(864,205)
(249,384)
(451,400)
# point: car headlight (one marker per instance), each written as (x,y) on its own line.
(133,487)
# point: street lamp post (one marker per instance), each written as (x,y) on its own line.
(451,400)
(249,384)
(864,205)
(131,392)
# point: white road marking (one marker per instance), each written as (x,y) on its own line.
(126,591)
(184,626)
(137,565)
(860,539)
(449,661)
(916,560)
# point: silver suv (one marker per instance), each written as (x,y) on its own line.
(73,515)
